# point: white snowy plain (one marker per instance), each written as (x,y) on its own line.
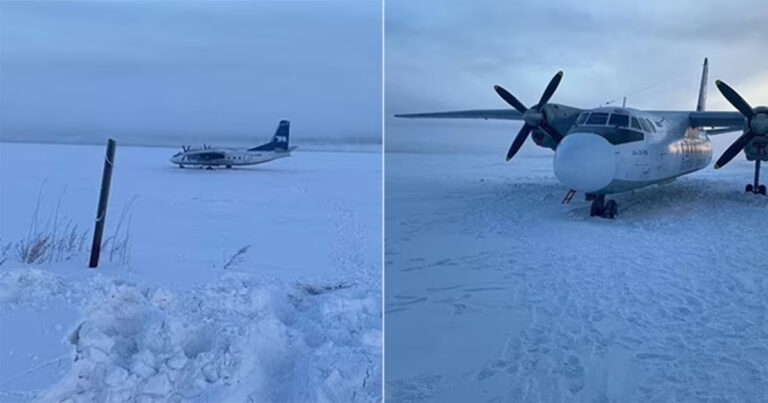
(497,292)
(296,318)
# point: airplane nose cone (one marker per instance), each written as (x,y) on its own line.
(585,162)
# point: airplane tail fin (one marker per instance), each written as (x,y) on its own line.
(279,140)
(702,103)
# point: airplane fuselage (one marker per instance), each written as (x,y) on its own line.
(211,157)
(612,150)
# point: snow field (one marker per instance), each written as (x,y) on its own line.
(495,291)
(297,317)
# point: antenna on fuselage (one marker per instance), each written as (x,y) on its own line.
(624,103)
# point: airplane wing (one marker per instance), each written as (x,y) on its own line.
(714,132)
(206,155)
(504,114)
(719,122)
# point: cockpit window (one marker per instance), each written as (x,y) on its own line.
(645,125)
(636,124)
(650,125)
(619,120)
(597,118)
(582,118)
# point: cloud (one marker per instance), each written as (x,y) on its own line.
(161,71)
(444,55)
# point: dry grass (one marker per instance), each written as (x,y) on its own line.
(34,250)
(236,258)
(119,243)
(60,239)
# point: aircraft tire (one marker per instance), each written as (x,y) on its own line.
(749,188)
(596,210)
(761,190)
(611,208)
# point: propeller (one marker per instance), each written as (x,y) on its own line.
(533,117)
(757,123)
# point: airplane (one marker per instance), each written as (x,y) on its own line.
(210,157)
(608,150)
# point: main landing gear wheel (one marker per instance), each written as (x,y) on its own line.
(756,188)
(601,208)
(229,166)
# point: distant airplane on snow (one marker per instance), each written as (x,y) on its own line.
(210,157)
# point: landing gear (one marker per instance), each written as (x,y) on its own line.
(229,166)
(569,196)
(601,208)
(181,166)
(756,188)
(759,190)
(598,205)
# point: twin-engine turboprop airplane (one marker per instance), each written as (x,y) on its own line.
(210,157)
(610,150)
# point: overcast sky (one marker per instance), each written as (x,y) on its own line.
(159,71)
(448,54)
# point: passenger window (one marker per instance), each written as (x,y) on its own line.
(582,118)
(597,118)
(619,120)
(636,124)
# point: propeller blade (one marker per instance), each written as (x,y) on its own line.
(519,140)
(735,99)
(551,87)
(509,98)
(734,149)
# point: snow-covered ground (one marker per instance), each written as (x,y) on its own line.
(296,317)
(495,291)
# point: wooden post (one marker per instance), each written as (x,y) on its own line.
(101,212)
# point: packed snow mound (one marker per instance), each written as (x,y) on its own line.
(237,339)
(28,287)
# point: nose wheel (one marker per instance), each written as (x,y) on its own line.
(601,208)
(756,188)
